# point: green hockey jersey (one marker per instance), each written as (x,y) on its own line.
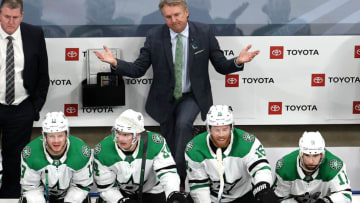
(69,177)
(330,179)
(244,164)
(115,171)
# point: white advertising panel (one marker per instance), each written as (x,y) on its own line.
(294,80)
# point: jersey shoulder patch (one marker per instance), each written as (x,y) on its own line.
(248,137)
(97,149)
(335,164)
(86,151)
(157,138)
(279,164)
(189,145)
(26,152)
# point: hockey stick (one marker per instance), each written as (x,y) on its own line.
(47,186)
(220,170)
(144,137)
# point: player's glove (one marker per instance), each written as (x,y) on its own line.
(126,200)
(264,194)
(307,198)
(324,200)
(176,197)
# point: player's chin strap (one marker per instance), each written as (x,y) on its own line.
(220,170)
(144,137)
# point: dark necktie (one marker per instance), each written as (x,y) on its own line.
(10,72)
(178,67)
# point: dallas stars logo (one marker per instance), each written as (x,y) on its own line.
(26,152)
(248,137)
(157,138)
(335,164)
(279,163)
(215,186)
(189,145)
(130,186)
(86,151)
(97,149)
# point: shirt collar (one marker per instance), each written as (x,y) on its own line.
(16,35)
(184,33)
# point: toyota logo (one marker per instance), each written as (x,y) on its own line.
(276,52)
(358,51)
(231,81)
(275,108)
(357,107)
(70,110)
(318,80)
(72,54)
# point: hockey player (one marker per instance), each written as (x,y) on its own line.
(56,167)
(226,164)
(118,165)
(312,174)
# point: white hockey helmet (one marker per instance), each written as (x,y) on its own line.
(219,115)
(55,122)
(311,143)
(129,121)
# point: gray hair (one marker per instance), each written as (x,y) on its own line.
(12,4)
(172,3)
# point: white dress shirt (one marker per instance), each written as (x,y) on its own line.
(20,92)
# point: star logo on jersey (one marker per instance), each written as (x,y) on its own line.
(157,138)
(248,137)
(26,152)
(215,186)
(130,186)
(335,164)
(279,164)
(189,145)
(97,149)
(86,151)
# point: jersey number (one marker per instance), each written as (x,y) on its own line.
(260,152)
(96,169)
(341,179)
(23,171)
(89,166)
